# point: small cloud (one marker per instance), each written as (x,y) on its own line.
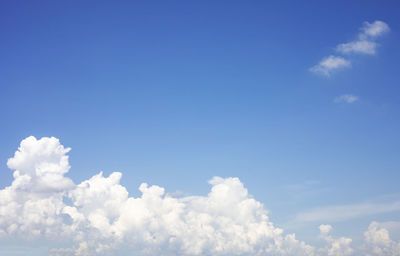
(375,29)
(347,98)
(362,46)
(325,229)
(329,64)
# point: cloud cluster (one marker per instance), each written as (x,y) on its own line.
(364,44)
(99,216)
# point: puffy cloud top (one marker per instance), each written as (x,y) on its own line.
(40,165)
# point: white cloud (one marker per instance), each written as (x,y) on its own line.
(40,166)
(365,43)
(325,229)
(347,98)
(378,242)
(99,216)
(336,246)
(375,29)
(330,64)
(362,46)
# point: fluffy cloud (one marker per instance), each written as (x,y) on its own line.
(33,204)
(330,64)
(347,98)
(336,246)
(99,216)
(373,30)
(40,166)
(378,241)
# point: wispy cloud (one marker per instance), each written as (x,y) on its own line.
(330,64)
(345,212)
(365,43)
(363,46)
(375,29)
(390,225)
(346,98)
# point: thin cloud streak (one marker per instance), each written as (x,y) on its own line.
(346,98)
(337,213)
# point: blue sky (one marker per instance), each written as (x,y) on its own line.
(173,93)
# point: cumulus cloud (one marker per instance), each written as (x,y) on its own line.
(364,44)
(347,98)
(379,243)
(101,216)
(336,246)
(330,64)
(98,216)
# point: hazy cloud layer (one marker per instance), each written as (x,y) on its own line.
(99,216)
(345,212)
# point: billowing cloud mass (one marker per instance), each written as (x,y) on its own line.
(98,216)
(364,44)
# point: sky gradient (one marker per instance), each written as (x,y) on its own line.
(299,100)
